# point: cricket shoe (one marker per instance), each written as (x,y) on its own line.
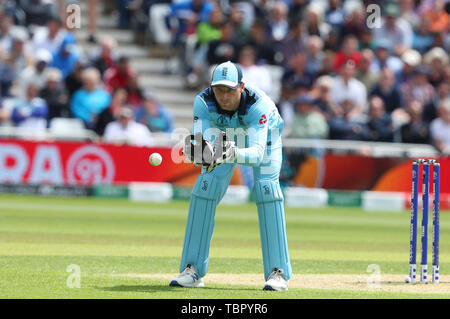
(188,278)
(276,281)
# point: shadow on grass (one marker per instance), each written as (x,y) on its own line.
(163,288)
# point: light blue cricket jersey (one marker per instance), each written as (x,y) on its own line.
(257,117)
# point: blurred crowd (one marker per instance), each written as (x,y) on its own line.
(345,71)
(45,75)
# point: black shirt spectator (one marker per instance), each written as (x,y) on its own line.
(380,123)
(388,91)
(225,49)
(55,95)
(416,130)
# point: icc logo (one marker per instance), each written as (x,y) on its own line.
(90,165)
(222,121)
(266,190)
(205,185)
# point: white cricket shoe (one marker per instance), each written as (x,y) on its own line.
(276,281)
(188,278)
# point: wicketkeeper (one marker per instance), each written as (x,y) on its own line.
(224,113)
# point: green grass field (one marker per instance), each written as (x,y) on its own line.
(131,250)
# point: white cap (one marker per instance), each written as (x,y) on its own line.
(411,57)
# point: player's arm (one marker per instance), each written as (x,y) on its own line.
(201,117)
(257,136)
(227,152)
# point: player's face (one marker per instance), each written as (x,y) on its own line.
(227,98)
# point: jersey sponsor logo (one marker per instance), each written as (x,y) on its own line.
(205,185)
(263,119)
(266,190)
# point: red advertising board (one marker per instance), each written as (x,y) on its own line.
(73,163)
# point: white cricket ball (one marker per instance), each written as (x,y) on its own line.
(155,159)
(407,279)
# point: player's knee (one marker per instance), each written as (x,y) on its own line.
(207,186)
(267,190)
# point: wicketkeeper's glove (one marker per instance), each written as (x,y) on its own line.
(202,153)
(224,150)
(198,150)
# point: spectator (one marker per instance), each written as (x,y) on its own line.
(19,56)
(74,81)
(438,17)
(241,29)
(411,59)
(430,109)
(348,52)
(104,59)
(125,130)
(366,40)
(327,63)
(118,76)
(154,115)
(256,75)
(307,122)
(295,79)
(322,94)
(262,8)
(51,37)
(265,52)
(6,34)
(224,49)
(125,12)
(278,22)
(293,43)
(91,99)
(332,41)
(34,73)
(416,130)
(134,92)
(188,14)
(30,112)
(4,114)
(313,20)
(355,23)
(335,15)
(422,37)
(55,95)
(65,58)
(296,10)
(347,88)
(440,128)
(92,23)
(437,59)
(408,13)
(314,55)
(383,58)
(206,32)
(109,114)
(364,73)
(37,12)
(395,31)
(347,125)
(418,88)
(7,76)
(380,124)
(388,91)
